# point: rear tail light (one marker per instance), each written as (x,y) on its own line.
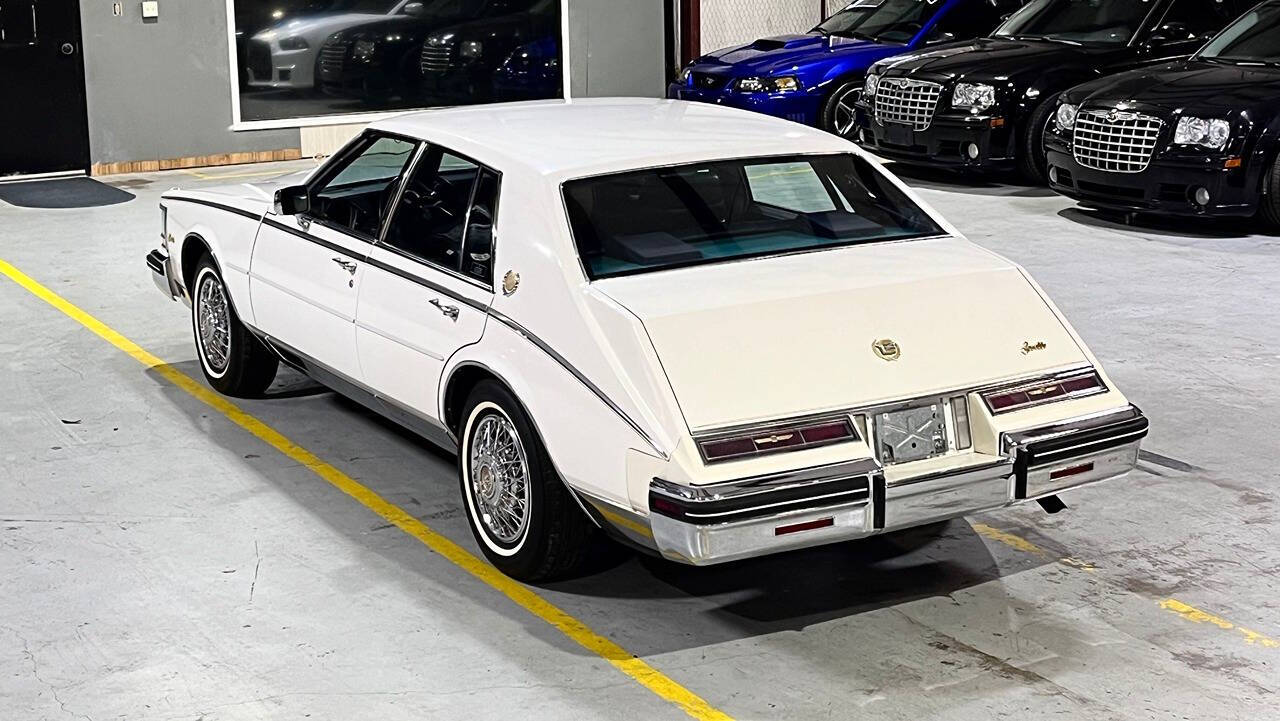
(1004,400)
(811,434)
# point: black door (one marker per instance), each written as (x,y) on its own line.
(43,126)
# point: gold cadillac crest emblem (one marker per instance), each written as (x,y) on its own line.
(510,282)
(887,349)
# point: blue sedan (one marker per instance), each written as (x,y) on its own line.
(814,78)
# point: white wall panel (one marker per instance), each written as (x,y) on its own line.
(734,22)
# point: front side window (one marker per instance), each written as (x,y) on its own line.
(1194,20)
(647,220)
(889,21)
(430,220)
(357,192)
(1254,38)
(1085,22)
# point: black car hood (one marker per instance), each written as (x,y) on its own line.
(992,59)
(1195,86)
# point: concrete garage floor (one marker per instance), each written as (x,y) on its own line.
(160,562)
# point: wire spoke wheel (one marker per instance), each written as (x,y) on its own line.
(213,323)
(498,469)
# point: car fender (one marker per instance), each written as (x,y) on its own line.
(587,438)
(228,234)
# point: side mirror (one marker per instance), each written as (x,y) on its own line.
(940,37)
(294,200)
(415,10)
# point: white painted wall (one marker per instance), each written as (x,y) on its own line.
(734,22)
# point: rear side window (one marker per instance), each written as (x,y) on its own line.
(647,220)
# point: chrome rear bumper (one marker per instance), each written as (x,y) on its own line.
(757,516)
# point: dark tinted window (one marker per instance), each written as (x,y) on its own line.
(970,20)
(1194,20)
(711,212)
(1255,37)
(1091,22)
(890,21)
(432,214)
(357,191)
(477,259)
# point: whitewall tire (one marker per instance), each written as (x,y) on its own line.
(233,360)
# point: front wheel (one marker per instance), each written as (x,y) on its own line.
(1269,203)
(1032,164)
(519,510)
(234,361)
(838,114)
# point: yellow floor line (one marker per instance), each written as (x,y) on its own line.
(579,632)
(1195,615)
(1173,605)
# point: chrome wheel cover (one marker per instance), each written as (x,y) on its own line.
(213,323)
(498,473)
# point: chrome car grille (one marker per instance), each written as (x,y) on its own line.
(332,57)
(1115,141)
(436,58)
(909,102)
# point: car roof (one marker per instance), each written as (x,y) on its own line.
(565,139)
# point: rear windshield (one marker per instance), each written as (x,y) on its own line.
(662,218)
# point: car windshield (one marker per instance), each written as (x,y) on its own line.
(1086,22)
(647,220)
(886,21)
(1254,38)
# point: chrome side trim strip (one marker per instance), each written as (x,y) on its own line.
(582,378)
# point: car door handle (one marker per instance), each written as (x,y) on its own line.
(346,265)
(449,310)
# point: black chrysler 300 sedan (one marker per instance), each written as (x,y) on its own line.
(984,104)
(1197,137)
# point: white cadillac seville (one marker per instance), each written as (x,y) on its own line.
(709,333)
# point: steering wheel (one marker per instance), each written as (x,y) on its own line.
(430,196)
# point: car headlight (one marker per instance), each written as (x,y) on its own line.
(975,96)
(1066,116)
(471,49)
(363,49)
(293,43)
(1211,133)
(870,85)
(780,84)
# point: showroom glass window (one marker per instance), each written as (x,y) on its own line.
(309,58)
(356,193)
(648,220)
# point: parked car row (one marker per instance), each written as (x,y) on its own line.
(472,51)
(1140,106)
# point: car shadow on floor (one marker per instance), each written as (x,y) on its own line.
(1176,226)
(714,604)
(1005,185)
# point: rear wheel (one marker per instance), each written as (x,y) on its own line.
(838,115)
(1032,164)
(234,361)
(520,512)
(1269,204)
